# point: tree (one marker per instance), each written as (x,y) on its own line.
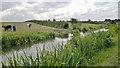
(73,20)
(66,26)
(89,20)
(54,20)
(48,19)
(84,30)
(112,22)
(117,20)
(107,20)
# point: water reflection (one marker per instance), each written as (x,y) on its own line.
(49,46)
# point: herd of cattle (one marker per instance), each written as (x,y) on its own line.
(10,27)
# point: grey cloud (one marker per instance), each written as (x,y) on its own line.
(7,5)
(22,15)
(54,4)
(31,2)
(59,14)
(119,9)
(44,7)
(100,14)
(19,16)
(101,3)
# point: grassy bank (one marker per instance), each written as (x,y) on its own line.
(24,34)
(19,40)
(108,57)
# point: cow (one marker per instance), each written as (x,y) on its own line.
(14,28)
(29,25)
(8,27)
(3,26)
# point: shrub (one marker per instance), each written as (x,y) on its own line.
(66,26)
(84,30)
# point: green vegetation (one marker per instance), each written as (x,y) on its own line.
(24,34)
(88,27)
(73,20)
(78,51)
(15,40)
(108,57)
(21,28)
(55,24)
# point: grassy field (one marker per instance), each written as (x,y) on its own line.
(36,28)
(55,24)
(22,28)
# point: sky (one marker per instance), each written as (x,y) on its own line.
(23,10)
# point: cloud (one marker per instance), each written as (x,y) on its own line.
(35,0)
(75,6)
(119,9)
(106,10)
(80,9)
(7,5)
(98,4)
(17,13)
(46,6)
(29,11)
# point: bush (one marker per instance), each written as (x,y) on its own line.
(84,30)
(66,26)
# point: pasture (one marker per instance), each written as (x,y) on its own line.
(22,28)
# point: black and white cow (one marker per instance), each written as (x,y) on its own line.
(9,27)
(3,26)
(29,25)
(14,28)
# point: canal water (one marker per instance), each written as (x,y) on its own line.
(49,46)
(32,51)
